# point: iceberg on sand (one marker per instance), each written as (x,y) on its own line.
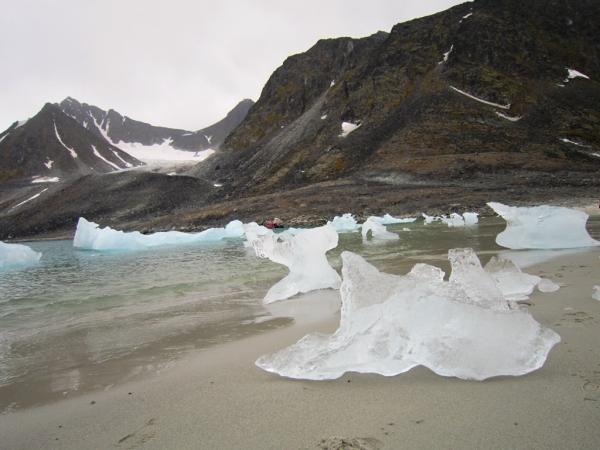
(303,254)
(543,227)
(389,324)
(17,255)
(89,236)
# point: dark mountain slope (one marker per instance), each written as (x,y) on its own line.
(126,200)
(214,135)
(52,144)
(479,90)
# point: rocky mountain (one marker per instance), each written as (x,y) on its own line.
(53,145)
(491,100)
(116,128)
(490,88)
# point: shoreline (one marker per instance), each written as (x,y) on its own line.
(303,221)
(218,398)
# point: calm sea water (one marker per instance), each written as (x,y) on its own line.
(81,320)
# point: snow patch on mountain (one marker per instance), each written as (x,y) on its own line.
(73,153)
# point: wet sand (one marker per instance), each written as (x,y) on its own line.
(219,399)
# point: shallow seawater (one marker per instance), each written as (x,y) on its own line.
(81,320)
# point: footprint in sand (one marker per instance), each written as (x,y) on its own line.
(576,317)
(591,384)
(353,443)
(138,437)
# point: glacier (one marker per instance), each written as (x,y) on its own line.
(542,227)
(377,230)
(89,236)
(303,254)
(17,255)
(389,324)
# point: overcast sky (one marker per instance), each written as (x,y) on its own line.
(176,63)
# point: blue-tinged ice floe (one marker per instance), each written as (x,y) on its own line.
(543,227)
(344,224)
(389,324)
(17,255)
(89,236)
(303,254)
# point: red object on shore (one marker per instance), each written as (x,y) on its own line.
(275,223)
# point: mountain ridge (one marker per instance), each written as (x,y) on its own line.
(116,128)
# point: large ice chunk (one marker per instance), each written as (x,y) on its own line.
(345,223)
(17,255)
(378,231)
(543,227)
(514,284)
(390,324)
(304,255)
(89,236)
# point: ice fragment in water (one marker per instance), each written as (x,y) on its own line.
(390,324)
(90,237)
(455,220)
(543,227)
(471,218)
(390,220)
(430,219)
(514,284)
(345,223)
(304,255)
(17,255)
(546,285)
(596,293)
(378,231)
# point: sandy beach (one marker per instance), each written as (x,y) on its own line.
(218,399)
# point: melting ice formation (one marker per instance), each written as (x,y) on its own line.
(543,227)
(377,231)
(17,255)
(89,236)
(389,324)
(303,254)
